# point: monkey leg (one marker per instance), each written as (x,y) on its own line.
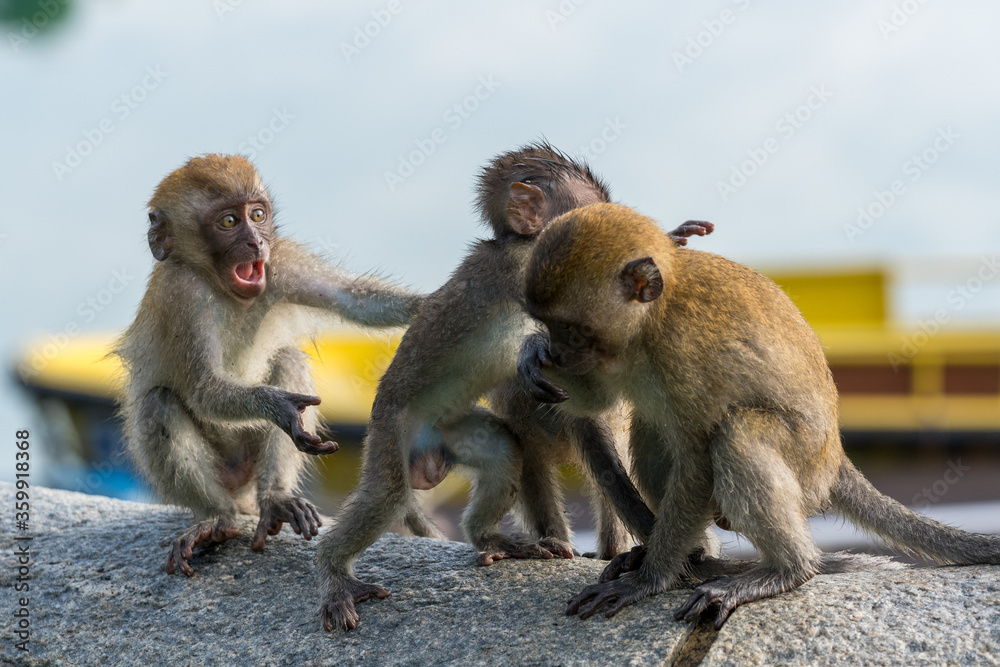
(420,524)
(761,497)
(596,439)
(380,501)
(482,442)
(280,463)
(184,469)
(679,530)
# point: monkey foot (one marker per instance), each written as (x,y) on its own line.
(276,510)
(617,594)
(501,547)
(721,591)
(622,563)
(338,605)
(210,531)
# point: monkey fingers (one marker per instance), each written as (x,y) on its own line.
(211,531)
(718,592)
(533,358)
(691,228)
(618,594)
(622,563)
(501,547)
(338,608)
(275,512)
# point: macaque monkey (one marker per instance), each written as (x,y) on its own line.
(461,346)
(734,410)
(219,407)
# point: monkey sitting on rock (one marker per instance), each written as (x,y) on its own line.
(219,407)
(735,413)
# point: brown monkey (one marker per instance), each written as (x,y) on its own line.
(218,400)
(462,345)
(734,409)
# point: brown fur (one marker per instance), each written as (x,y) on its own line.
(734,409)
(463,346)
(218,403)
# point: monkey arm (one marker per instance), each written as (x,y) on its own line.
(597,449)
(216,396)
(306,280)
(534,356)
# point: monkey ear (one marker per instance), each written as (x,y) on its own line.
(642,279)
(526,209)
(160,236)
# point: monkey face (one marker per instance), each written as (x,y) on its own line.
(237,235)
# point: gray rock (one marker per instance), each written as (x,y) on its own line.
(99,596)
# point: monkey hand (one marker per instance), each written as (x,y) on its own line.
(618,594)
(622,563)
(211,531)
(276,509)
(533,358)
(338,604)
(691,228)
(288,409)
(499,547)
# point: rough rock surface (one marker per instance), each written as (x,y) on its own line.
(99,596)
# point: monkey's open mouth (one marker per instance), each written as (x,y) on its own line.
(250,272)
(248,278)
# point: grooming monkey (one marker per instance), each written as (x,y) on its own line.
(219,407)
(734,410)
(461,346)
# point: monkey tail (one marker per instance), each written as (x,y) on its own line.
(859,501)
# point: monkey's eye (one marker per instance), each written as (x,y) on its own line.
(257,215)
(228,221)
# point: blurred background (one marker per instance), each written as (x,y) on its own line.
(846,150)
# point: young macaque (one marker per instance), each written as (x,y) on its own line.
(734,410)
(462,346)
(219,407)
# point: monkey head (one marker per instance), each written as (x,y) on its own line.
(594,275)
(521,191)
(215,215)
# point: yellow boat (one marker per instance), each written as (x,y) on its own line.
(897,386)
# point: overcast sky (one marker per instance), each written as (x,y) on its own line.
(369,121)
